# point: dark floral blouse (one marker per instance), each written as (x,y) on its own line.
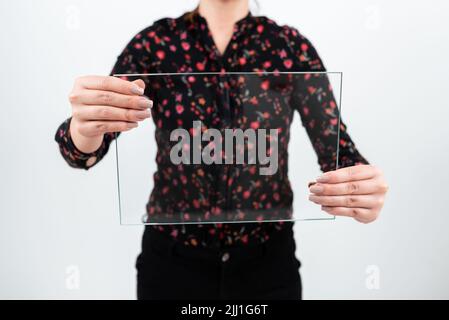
(185,45)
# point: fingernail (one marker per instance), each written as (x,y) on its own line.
(145,103)
(313,198)
(316,188)
(132,125)
(323,178)
(324,208)
(137,90)
(144,114)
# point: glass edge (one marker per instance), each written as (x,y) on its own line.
(122,223)
(223,73)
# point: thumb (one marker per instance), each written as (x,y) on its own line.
(140,83)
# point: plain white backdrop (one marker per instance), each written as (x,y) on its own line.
(60,235)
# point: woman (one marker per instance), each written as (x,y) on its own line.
(216,261)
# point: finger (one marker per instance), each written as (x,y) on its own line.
(108,113)
(351,201)
(110,83)
(360,214)
(361,172)
(140,83)
(95,128)
(370,186)
(109,98)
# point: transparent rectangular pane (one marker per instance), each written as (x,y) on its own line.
(229,148)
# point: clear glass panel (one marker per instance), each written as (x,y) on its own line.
(229,147)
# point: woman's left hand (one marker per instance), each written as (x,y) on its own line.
(357,192)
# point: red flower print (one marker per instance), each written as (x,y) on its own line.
(260,28)
(246,194)
(138,46)
(283,54)
(200,66)
(254,100)
(242,61)
(196,203)
(311,89)
(179,109)
(174,233)
(255,125)
(160,54)
(304,47)
(288,63)
(185,45)
(265,85)
(252,170)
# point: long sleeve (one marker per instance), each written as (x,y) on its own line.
(74,157)
(134,58)
(315,101)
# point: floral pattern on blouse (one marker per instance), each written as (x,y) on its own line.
(258,44)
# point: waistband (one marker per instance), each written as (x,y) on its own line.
(164,244)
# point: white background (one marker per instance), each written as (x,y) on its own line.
(59,231)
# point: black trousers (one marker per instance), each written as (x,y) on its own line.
(167,269)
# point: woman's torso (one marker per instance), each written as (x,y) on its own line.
(208,192)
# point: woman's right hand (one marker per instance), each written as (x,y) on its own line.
(102,104)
